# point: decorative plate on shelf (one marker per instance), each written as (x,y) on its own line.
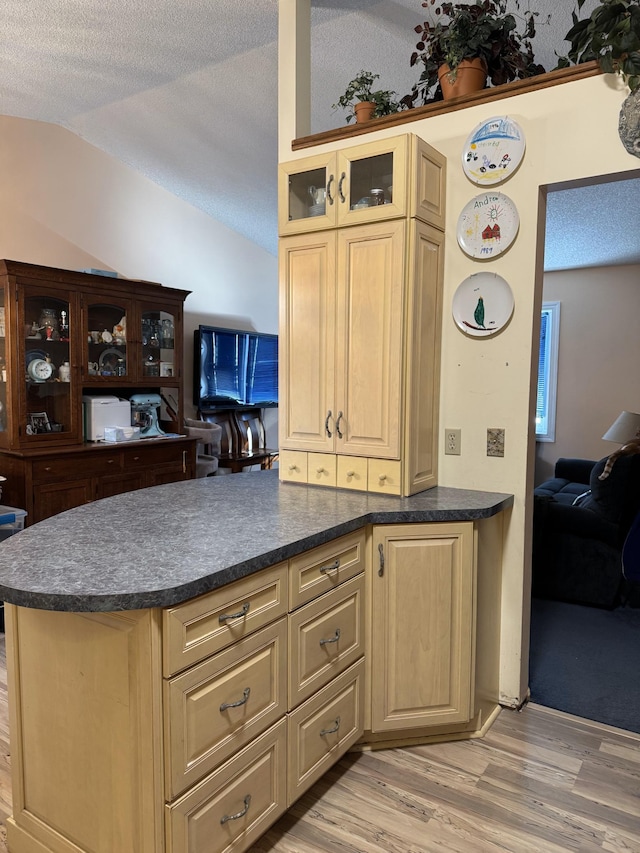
(487,225)
(108,361)
(493,151)
(32,354)
(482,304)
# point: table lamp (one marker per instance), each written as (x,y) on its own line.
(625,428)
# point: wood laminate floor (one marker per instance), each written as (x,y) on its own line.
(540,782)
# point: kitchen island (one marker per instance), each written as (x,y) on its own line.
(159,659)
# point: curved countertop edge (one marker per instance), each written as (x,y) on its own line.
(33,576)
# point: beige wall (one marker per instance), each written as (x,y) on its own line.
(597,361)
(571,133)
(66,203)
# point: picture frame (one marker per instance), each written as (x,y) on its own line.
(39,422)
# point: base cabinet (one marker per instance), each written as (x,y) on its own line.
(422,621)
(192,729)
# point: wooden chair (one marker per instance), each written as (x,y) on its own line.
(253,437)
(235,452)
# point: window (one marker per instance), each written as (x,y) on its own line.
(548,372)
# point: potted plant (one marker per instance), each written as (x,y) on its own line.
(611,36)
(364,102)
(482,34)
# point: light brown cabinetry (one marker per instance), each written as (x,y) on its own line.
(360,306)
(205,721)
(65,334)
(422,621)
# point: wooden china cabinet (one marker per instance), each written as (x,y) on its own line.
(66,334)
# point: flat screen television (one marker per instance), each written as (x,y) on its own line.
(234,368)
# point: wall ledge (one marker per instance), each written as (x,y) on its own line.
(496,93)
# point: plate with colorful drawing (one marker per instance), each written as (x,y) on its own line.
(493,151)
(482,304)
(487,225)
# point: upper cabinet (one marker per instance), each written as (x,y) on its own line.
(386,179)
(64,334)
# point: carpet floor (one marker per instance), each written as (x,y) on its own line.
(586,661)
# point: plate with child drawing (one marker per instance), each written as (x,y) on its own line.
(493,151)
(487,225)
(482,304)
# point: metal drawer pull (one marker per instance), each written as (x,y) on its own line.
(326,424)
(329,182)
(338,425)
(243,701)
(340,183)
(381,556)
(331,731)
(239,615)
(247,803)
(333,639)
(332,568)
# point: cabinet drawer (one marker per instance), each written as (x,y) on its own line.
(323,729)
(326,636)
(293,466)
(78,465)
(323,568)
(205,625)
(321,469)
(218,706)
(230,809)
(352,473)
(384,476)
(154,454)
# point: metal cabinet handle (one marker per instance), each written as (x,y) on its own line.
(245,609)
(381,560)
(332,568)
(243,701)
(333,639)
(247,803)
(331,731)
(340,184)
(326,424)
(339,434)
(329,196)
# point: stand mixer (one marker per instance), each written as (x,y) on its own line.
(144,414)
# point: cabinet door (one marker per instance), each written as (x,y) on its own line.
(369,339)
(306,412)
(423,591)
(307,194)
(52,498)
(46,373)
(159,335)
(107,335)
(373,181)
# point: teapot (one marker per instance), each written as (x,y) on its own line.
(318,194)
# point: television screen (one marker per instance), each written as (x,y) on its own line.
(234,368)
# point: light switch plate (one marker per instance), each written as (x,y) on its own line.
(495,442)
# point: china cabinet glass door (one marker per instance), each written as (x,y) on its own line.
(107,339)
(158,335)
(4,399)
(46,358)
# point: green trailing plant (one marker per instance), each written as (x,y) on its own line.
(611,36)
(481,30)
(361,89)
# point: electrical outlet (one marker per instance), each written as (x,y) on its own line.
(495,442)
(452,442)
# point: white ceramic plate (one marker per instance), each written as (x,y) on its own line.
(487,225)
(493,151)
(482,304)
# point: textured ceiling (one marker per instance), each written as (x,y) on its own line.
(186,92)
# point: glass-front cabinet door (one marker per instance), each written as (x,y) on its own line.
(158,354)
(5,407)
(47,367)
(107,341)
(360,184)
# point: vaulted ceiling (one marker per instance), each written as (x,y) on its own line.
(186,93)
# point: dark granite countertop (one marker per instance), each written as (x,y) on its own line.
(160,546)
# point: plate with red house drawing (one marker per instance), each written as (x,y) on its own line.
(488,225)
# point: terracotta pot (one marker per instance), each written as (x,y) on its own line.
(471,76)
(364,111)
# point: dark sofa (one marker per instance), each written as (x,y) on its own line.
(579,527)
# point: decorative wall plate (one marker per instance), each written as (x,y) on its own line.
(487,225)
(493,151)
(482,304)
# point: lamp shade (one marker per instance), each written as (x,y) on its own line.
(625,427)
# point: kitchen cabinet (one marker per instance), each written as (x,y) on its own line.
(422,621)
(395,177)
(64,334)
(359,356)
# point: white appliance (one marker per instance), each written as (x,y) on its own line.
(101,412)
